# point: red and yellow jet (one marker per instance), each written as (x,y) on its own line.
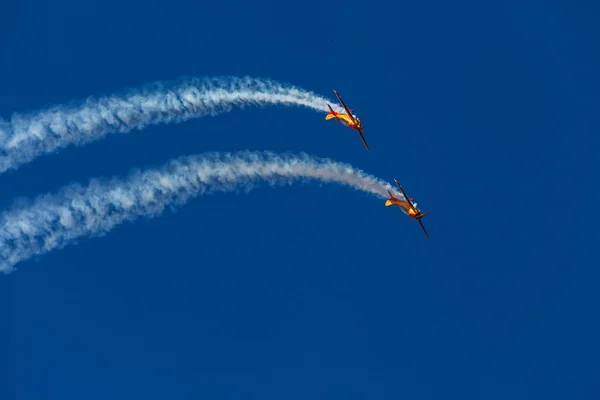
(407,206)
(348,119)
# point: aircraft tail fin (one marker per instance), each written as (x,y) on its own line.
(331,114)
(389,201)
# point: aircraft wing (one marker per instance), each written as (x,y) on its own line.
(363,139)
(406,197)
(423,227)
(345,107)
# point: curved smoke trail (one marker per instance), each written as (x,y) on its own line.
(56,220)
(26,137)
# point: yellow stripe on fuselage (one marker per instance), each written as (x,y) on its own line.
(344,118)
(402,204)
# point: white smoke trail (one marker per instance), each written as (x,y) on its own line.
(26,137)
(55,220)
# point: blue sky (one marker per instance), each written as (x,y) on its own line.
(486,114)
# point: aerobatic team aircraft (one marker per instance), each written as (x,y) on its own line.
(407,206)
(353,122)
(348,119)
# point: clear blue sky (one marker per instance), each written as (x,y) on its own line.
(488,115)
